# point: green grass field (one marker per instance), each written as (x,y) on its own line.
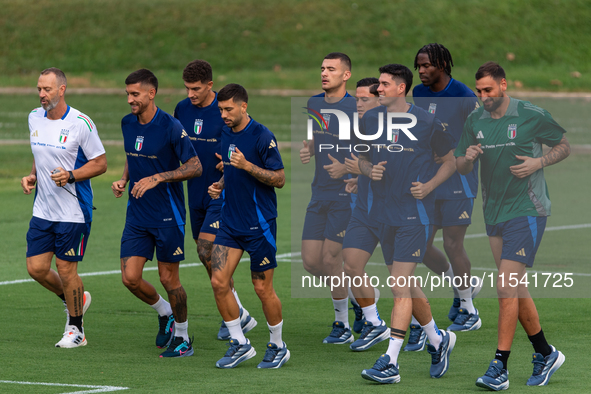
(120,329)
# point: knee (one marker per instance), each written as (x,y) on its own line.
(66,270)
(37,272)
(504,290)
(204,252)
(132,283)
(263,291)
(219,284)
(352,269)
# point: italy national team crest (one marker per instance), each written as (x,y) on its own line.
(512,131)
(432,108)
(231,149)
(395,135)
(198,126)
(326,119)
(139,142)
(64,136)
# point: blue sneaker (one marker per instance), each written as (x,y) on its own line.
(453,311)
(274,357)
(246,322)
(440,357)
(359,318)
(382,371)
(165,331)
(544,367)
(417,339)
(236,354)
(339,334)
(179,348)
(370,336)
(496,377)
(466,321)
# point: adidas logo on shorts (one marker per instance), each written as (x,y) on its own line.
(464,215)
(521,252)
(417,253)
(178,251)
(71,253)
(265,262)
(342,234)
(215,224)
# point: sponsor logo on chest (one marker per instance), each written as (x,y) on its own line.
(139,143)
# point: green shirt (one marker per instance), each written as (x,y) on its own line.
(520,132)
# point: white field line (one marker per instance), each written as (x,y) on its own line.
(95,389)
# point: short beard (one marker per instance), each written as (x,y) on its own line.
(52,104)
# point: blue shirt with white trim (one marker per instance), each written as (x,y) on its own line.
(159,146)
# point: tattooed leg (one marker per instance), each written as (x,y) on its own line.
(73,286)
(224,261)
(204,249)
(178,302)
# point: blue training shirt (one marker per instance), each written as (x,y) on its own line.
(204,127)
(249,205)
(324,188)
(452,106)
(156,147)
(414,163)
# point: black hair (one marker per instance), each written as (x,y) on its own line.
(346,60)
(198,71)
(400,73)
(143,76)
(59,75)
(233,91)
(439,56)
(490,69)
(368,82)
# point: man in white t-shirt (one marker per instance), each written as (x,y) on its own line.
(67,153)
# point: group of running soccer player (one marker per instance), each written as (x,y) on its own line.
(414,180)
(410,183)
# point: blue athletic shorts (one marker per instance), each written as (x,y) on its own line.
(261,246)
(140,241)
(65,239)
(205,220)
(453,212)
(326,220)
(361,236)
(405,244)
(521,237)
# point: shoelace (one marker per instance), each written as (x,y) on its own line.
(415,335)
(493,372)
(270,354)
(337,331)
(358,312)
(366,330)
(233,348)
(461,319)
(538,366)
(380,365)
(164,324)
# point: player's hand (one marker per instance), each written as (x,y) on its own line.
(118,187)
(60,177)
(377,171)
(144,184)
(351,185)
(220,165)
(305,153)
(420,190)
(437,159)
(528,167)
(337,169)
(238,160)
(28,183)
(352,165)
(215,189)
(473,152)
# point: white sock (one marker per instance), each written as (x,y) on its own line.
(394,349)
(371,314)
(180,330)
(341,311)
(376,294)
(415,321)
(236,331)
(466,300)
(162,307)
(352,297)
(433,333)
(238,299)
(276,334)
(449,276)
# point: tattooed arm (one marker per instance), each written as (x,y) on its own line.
(275,178)
(190,169)
(530,165)
(364,165)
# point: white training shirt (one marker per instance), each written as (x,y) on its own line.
(69,142)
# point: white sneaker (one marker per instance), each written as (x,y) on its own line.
(87,301)
(72,338)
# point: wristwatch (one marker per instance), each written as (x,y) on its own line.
(71,179)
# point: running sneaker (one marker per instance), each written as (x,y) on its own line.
(274,357)
(466,321)
(496,377)
(72,338)
(179,347)
(382,371)
(236,354)
(370,336)
(440,357)
(417,339)
(247,323)
(339,334)
(359,318)
(165,331)
(544,367)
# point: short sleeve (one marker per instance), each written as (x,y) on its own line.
(269,151)
(181,143)
(548,131)
(467,139)
(89,140)
(441,140)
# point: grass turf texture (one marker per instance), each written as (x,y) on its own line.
(121,329)
(269,44)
